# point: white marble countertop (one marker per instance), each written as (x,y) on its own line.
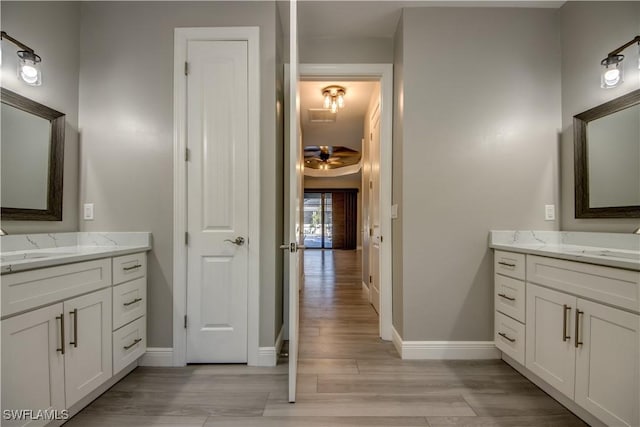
(22,252)
(610,249)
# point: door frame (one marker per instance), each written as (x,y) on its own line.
(384,74)
(181,37)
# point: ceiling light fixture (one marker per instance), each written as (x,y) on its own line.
(28,62)
(613,72)
(333,97)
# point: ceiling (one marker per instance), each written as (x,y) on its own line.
(372,18)
(348,128)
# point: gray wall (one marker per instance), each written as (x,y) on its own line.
(397,232)
(480,117)
(589,31)
(52,29)
(336,50)
(126,119)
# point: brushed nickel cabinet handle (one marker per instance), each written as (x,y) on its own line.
(503,335)
(133,267)
(565,309)
(132,302)
(577,340)
(506,264)
(75,327)
(61,317)
(136,341)
(506,297)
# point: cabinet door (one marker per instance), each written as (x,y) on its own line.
(548,355)
(88,356)
(608,364)
(32,368)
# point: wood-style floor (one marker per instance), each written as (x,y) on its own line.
(347,377)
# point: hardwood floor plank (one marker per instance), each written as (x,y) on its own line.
(514,404)
(202,383)
(108,420)
(525,421)
(324,421)
(352,405)
(327,366)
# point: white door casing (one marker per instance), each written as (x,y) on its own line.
(217,200)
(216,221)
(374,208)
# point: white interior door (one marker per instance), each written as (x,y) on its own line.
(294,191)
(374,209)
(217,201)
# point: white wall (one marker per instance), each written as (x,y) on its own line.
(480,121)
(52,29)
(590,30)
(126,119)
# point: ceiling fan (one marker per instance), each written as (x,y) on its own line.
(328,157)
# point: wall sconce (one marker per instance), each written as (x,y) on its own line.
(612,74)
(28,62)
(333,97)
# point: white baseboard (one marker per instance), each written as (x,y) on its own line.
(157,356)
(268,356)
(444,350)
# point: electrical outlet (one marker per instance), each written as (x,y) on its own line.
(549,212)
(88,212)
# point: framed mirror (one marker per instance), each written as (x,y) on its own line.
(607,159)
(32,152)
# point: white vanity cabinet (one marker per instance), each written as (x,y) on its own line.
(63,330)
(32,362)
(581,333)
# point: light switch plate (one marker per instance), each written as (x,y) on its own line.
(549,212)
(88,211)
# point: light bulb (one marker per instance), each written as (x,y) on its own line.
(340,100)
(327,101)
(28,69)
(612,74)
(334,106)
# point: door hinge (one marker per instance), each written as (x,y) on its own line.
(185,321)
(187,155)
(381,239)
(370,232)
(370,184)
(186,68)
(371,136)
(370,279)
(186,237)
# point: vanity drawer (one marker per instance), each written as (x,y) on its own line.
(129,343)
(510,297)
(509,264)
(608,285)
(129,301)
(129,267)
(509,337)
(30,289)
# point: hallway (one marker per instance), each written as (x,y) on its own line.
(347,377)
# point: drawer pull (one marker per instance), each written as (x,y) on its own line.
(132,302)
(75,327)
(506,297)
(61,317)
(136,341)
(506,264)
(564,322)
(578,314)
(133,267)
(503,335)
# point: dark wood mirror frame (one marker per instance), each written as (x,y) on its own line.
(581,160)
(53,212)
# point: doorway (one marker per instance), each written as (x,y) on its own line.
(318,220)
(381,74)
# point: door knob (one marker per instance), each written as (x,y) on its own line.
(293,247)
(238,242)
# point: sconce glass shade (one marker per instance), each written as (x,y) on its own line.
(612,73)
(327,100)
(29,68)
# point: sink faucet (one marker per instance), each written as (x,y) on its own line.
(2,232)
